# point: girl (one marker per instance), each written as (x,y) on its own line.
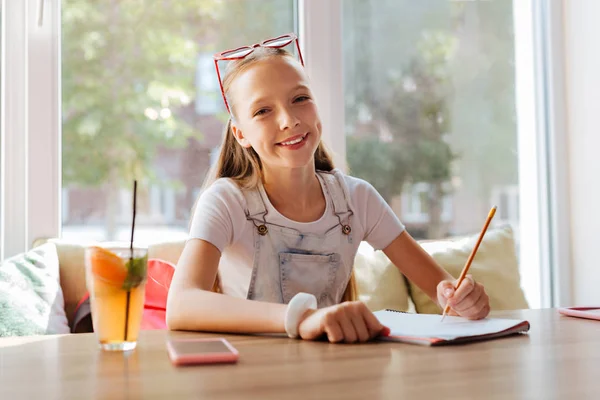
(275,232)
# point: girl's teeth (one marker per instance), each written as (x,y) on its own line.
(293,141)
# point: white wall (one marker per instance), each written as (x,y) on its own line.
(582,76)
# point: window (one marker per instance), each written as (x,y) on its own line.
(141,100)
(462,94)
(418,112)
(417,97)
(431,120)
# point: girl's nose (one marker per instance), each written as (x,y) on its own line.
(288,119)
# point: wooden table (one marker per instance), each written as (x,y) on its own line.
(558,359)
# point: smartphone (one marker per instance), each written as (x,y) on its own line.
(201,351)
(581,312)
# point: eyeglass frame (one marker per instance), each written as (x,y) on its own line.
(221,56)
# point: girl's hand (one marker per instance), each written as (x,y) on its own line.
(468,301)
(347,322)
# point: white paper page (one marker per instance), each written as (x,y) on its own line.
(431,326)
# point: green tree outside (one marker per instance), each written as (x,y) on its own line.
(128,68)
(430,96)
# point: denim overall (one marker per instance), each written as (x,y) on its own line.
(287,261)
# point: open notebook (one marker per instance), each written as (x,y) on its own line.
(429,329)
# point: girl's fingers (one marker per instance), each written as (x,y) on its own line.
(481,309)
(334,331)
(453,313)
(484,312)
(360,327)
(373,325)
(469,304)
(447,289)
(347,328)
(352,322)
(466,287)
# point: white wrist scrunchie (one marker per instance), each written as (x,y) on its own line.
(296,308)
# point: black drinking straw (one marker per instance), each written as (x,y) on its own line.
(130,256)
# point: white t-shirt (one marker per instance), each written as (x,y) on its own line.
(220,219)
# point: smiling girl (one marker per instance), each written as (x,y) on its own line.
(274,235)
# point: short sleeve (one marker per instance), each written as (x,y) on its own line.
(380,223)
(217,214)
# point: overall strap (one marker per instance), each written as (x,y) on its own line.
(336,191)
(341,208)
(256,206)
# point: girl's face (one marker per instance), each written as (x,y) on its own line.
(275,113)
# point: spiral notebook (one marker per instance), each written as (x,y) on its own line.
(430,330)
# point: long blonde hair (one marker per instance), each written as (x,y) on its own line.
(243,165)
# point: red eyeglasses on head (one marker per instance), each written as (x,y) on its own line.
(242,52)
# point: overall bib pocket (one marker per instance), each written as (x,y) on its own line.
(309,273)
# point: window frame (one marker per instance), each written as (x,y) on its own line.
(31,184)
(323,59)
(556,224)
(31,146)
(13,119)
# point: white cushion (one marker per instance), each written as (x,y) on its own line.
(380,284)
(495,266)
(31,298)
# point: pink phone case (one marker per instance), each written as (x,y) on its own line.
(190,356)
(581,312)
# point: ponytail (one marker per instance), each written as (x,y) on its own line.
(236,162)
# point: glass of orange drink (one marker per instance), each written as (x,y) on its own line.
(116,281)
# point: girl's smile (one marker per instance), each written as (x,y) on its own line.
(294,142)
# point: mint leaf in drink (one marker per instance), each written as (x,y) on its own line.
(136,272)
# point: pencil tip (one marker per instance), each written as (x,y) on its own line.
(443,316)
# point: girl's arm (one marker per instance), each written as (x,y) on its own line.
(417,265)
(468,300)
(191,304)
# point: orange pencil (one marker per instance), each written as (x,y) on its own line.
(470,260)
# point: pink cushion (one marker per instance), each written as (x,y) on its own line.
(160,274)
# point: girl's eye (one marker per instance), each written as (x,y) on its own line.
(260,112)
(301,98)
